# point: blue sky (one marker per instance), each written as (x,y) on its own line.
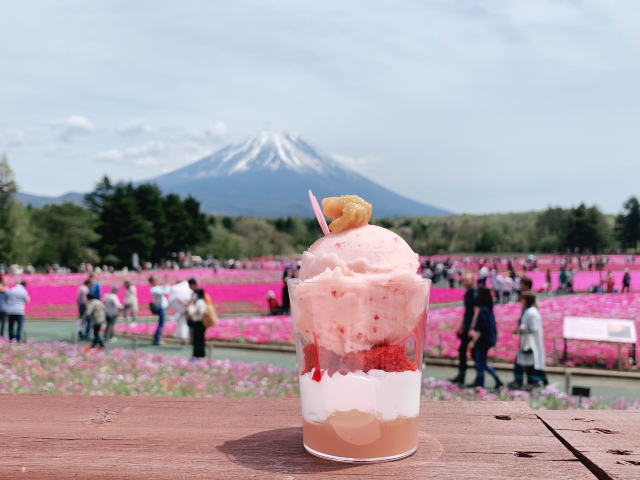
(470,106)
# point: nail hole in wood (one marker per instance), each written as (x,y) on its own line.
(600,430)
(523,454)
(503,417)
(620,452)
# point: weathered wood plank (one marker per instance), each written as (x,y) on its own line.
(63,437)
(607,441)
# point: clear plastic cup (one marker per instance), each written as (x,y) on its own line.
(359,349)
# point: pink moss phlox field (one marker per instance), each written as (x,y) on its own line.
(60,368)
(442,325)
(274,329)
(59,301)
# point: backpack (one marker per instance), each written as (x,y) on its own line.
(210,316)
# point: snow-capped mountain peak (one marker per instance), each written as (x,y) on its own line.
(270,150)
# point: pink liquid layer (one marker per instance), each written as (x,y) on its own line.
(354,434)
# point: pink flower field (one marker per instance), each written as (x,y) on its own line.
(443,323)
(59,301)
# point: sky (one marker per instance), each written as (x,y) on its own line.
(471,106)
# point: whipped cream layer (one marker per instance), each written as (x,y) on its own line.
(388,395)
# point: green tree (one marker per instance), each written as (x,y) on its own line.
(586,229)
(67,231)
(123,229)
(628,224)
(150,205)
(103,190)
(9,207)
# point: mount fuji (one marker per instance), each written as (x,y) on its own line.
(269,174)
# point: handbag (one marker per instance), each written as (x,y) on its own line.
(210,317)
(154,308)
(526,343)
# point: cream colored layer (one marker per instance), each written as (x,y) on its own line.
(387,395)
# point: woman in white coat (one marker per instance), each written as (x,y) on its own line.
(531,354)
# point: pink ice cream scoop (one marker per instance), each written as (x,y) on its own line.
(370,253)
(359,288)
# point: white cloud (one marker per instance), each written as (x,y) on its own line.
(366,163)
(215,132)
(67,128)
(110,156)
(136,127)
(153,147)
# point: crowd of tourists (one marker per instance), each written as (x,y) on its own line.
(478,334)
(194,311)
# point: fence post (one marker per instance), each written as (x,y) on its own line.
(440,344)
(619,356)
(74,337)
(555,351)
(242,330)
(567,382)
(134,343)
(24,336)
(209,350)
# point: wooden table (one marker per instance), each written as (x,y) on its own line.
(83,437)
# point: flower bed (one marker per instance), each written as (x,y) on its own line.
(61,368)
(442,324)
(59,301)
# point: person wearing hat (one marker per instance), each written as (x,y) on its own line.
(626,281)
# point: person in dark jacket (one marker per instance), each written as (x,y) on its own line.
(484,337)
(464,332)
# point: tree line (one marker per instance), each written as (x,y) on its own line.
(118,219)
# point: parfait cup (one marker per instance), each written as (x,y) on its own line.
(359,350)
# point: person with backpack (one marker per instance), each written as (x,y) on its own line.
(201,315)
(112,307)
(484,337)
(96,310)
(626,281)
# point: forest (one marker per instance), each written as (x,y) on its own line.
(118,219)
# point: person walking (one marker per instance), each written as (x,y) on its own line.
(470,312)
(526,284)
(130,304)
(112,307)
(531,354)
(484,337)
(507,287)
(94,289)
(16,301)
(81,300)
(626,281)
(95,309)
(4,293)
(195,312)
(159,305)
(286,301)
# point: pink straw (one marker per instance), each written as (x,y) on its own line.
(319,215)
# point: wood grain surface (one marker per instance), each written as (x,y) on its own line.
(607,441)
(91,437)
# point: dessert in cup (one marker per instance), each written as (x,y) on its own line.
(359,310)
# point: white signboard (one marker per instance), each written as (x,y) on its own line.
(600,329)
